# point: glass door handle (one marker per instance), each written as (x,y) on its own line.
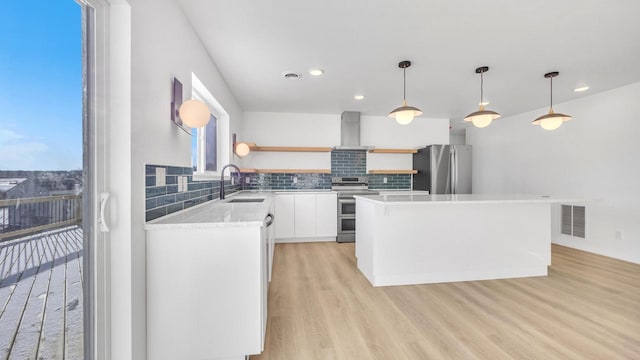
(104,197)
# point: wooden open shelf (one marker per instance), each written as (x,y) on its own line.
(255,147)
(393,171)
(288,171)
(393,151)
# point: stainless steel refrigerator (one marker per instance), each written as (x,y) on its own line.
(443,169)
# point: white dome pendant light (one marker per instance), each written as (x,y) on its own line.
(482,118)
(552,120)
(405,114)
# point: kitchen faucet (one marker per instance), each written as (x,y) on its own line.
(222,178)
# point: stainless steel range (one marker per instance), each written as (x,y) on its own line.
(347,188)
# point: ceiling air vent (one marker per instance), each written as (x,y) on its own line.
(291,75)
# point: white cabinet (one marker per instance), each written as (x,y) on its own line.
(270,234)
(304,217)
(206,291)
(326,215)
(285,207)
(265,277)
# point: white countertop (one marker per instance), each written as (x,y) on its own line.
(218,213)
(400,192)
(298,191)
(459,198)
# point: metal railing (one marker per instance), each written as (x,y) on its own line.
(24,216)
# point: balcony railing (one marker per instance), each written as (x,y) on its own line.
(19,217)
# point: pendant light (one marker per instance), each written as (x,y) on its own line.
(552,120)
(405,114)
(482,118)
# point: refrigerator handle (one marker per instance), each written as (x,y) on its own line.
(454,171)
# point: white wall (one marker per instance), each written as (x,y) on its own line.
(288,129)
(163,45)
(457,139)
(385,132)
(592,157)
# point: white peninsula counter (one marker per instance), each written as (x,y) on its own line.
(421,239)
(208,271)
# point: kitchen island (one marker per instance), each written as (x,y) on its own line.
(422,239)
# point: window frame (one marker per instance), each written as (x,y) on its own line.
(200,92)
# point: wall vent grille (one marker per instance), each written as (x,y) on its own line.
(573,220)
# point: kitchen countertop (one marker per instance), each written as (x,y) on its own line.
(298,191)
(218,213)
(400,192)
(460,198)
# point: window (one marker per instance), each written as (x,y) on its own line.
(209,139)
(209,145)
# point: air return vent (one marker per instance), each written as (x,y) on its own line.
(573,220)
(291,75)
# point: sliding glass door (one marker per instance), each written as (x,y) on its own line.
(52,165)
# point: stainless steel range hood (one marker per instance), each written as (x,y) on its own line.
(350,132)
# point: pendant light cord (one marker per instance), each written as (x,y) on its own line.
(481,87)
(551,93)
(404,83)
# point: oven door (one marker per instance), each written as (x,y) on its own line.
(346,229)
(347,225)
(347,206)
(346,219)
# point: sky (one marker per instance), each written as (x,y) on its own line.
(40,85)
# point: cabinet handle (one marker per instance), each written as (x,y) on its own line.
(269,220)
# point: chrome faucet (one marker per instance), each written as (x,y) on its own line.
(222,178)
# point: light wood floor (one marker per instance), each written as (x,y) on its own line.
(321,307)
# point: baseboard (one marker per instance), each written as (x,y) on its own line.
(305,240)
(434,278)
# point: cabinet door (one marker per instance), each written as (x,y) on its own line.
(305,215)
(271,242)
(285,215)
(264,283)
(326,215)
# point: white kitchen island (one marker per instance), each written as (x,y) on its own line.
(422,239)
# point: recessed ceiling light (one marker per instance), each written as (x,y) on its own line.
(291,75)
(581,88)
(358,97)
(316,72)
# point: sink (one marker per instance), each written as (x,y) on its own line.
(245,200)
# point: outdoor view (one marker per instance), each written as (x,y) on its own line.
(41,181)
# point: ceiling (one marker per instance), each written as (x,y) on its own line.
(360,42)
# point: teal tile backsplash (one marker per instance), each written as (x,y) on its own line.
(164,200)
